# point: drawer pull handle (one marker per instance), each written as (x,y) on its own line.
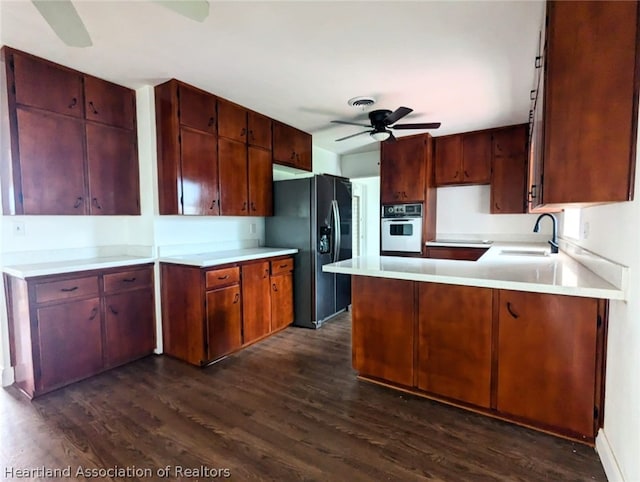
(93,108)
(236,299)
(69,290)
(129,280)
(284,265)
(510,309)
(113,310)
(223,277)
(94,313)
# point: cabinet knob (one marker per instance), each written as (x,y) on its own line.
(113,310)
(93,108)
(275,288)
(253,206)
(211,121)
(497,206)
(236,299)
(73,103)
(243,132)
(244,206)
(96,203)
(466,174)
(455,176)
(253,137)
(94,313)
(293,155)
(213,204)
(78,202)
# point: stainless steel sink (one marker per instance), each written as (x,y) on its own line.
(525,252)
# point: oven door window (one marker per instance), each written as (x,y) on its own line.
(401,230)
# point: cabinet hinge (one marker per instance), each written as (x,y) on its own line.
(596,412)
(599,322)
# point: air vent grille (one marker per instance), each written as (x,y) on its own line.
(361,102)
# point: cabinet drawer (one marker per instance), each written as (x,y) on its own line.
(222,277)
(127,279)
(70,288)
(281,266)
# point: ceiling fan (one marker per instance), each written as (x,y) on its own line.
(381,121)
(63,18)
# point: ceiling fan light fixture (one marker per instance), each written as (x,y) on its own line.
(381,135)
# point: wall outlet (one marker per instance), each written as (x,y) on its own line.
(252,228)
(584,234)
(18,228)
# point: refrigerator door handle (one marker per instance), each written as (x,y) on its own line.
(337,234)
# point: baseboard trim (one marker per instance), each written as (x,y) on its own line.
(608,459)
(7,376)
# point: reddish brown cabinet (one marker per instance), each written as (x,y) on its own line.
(256,301)
(233,171)
(589,120)
(260,171)
(208,313)
(71,132)
(71,326)
(463,158)
(509,170)
(282,311)
(383,329)
(291,146)
(549,357)
(404,169)
(259,130)
(187,145)
(454,342)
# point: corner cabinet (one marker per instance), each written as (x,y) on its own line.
(64,328)
(463,158)
(208,313)
(464,345)
(74,132)
(585,151)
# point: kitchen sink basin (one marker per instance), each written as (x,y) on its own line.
(525,252)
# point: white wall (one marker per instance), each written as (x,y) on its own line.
(614,233)
(369,191)
(362,164)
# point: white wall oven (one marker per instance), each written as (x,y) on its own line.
(401,227)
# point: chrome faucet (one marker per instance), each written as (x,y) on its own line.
(553,242)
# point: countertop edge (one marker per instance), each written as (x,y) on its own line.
(192,260)
(72,266)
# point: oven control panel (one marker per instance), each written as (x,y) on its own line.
(402,211)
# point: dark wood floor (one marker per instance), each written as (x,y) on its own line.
(289,408)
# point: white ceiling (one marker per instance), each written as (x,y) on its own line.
(467,64)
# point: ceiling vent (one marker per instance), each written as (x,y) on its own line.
(361,102)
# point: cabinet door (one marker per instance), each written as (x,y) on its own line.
(51,163)
(199,173)
(281,301)
(233,177)
(403,170)
(382,328)
(547,360)
(232,121)
(448,160)
(70,342)
(591,97)
(129,326)
(256,301)
(303,150)
(113,170)
(47,86)
(509,170)
(197,109)
(109,103)
(476,158)
(223,321)
(291,147)
(259,130)
(260,182)
(454,342)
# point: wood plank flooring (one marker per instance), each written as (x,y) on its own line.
(288,408)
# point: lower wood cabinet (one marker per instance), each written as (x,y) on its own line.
(454,342)
(383,327)
(67,327)
(208,313)
(530,358)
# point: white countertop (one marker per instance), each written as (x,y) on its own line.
(70,266)
(216,258)
(552,273)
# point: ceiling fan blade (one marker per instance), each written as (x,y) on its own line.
(197,10)
(396,115)
(352,135)
(423,125)
(63,18)
(350,123)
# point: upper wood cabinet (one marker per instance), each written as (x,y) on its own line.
(232,121)
(291,147)
(234,189)
(259,134)
(509,170)
(72,143)
(404,169)
(187,144)
(463,159)
(590,105)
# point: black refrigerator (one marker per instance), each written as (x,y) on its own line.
(313,214)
